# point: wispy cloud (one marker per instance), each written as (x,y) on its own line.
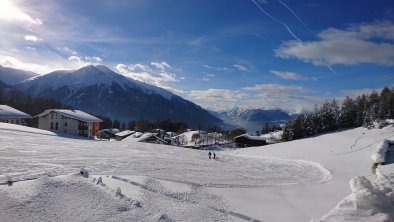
(157,73)
(296,16)
(275,89)
(276,20)
(291,75)
(354,45)
(241,68)
(217,94)
(287,75)
(218,68)
(12,14)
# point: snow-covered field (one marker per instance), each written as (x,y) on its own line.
(294,181)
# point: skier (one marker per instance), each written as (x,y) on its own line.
(209,154)
(214,155)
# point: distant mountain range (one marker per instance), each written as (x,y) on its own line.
(253,119)
(101,91)
(12,76)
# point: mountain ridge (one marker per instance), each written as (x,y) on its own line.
(101,91)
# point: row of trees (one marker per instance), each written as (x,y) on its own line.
(365,110)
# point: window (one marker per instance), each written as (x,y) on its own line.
(51,125)
(51,115)
(17,121)
(57,126)
(65,124)
(12,121)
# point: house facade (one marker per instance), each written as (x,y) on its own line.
(11,115)
(74,122)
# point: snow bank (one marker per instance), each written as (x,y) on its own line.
(65,198)
(379,155)
(369,201)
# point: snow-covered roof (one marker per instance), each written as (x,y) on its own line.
(252,137)
(125,133)
(73,114)
(7,112)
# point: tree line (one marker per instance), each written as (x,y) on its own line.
(365,110)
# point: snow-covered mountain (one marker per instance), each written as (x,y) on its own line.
(253,119)
(99,90)
(12,76)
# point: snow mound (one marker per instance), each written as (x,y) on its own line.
(64,198)
(369,201)
(379,156)
(16,129)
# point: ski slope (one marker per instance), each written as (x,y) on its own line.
(298,180)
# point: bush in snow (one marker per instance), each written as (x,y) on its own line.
(84,173)
(9,180)
(118,192)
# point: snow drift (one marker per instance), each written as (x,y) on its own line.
(379,156)
(369,201)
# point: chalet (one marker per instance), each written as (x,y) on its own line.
(247,140)
(11,115)
(74,122)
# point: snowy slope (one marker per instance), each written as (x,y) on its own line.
(294,181)
(345,154)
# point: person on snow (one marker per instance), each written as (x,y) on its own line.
(214,155)
(209,154)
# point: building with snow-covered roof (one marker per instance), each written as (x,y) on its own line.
(11,115)
(74,122)
(247,140)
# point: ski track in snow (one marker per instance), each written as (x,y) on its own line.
(380,137)
(155,187)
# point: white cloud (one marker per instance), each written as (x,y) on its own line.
(69,51)
(217,94)
(32,38)
(75,58)
(358,92)
(207,77)
(215,68)
(275,89)
(287,75)
(158,73)
(357,44)
(9,61)
(11,13)
(161,65)
(241,68)
(87,60)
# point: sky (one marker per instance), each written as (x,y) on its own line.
(219,54)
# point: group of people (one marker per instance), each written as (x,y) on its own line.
(210,155)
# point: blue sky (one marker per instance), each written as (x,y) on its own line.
(250,53)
